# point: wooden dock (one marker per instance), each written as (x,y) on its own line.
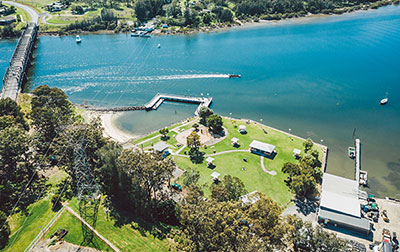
(156,102)
(160,98)
(358,160)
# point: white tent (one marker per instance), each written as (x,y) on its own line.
(210,160)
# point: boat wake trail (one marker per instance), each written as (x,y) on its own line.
(189,76)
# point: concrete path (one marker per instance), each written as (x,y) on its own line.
(224,152)
(112,246)
(180,149)
(31,12)
(273,173)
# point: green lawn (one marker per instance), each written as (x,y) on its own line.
(25,228)
(126,237)
(69,222)
(253,177)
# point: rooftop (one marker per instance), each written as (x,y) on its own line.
(340,195)
(262,146)
(160,146)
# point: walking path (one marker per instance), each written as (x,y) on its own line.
(31,12)
(112,246)
(273,173)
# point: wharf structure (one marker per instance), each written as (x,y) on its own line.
(160,98)
(156,102)
(16,72)
(340,203)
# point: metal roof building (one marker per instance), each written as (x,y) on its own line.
(264,147)
(340,204)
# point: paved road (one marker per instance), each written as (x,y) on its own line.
(32,13)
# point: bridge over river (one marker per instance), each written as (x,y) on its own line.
(15,73)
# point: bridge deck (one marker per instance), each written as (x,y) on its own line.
(14,74)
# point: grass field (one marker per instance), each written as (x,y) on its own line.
(25,228)
(128,237)
(68,222)
(253,176)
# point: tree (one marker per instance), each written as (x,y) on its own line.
(51,110)
(17,169)
(308,144)
(77,9)
(196,126)
(230,188)
(164,133)
(291,169)
(204,113)
(214,122)
(8,107)
(193,142)
(107,170)
(174,9)
(305,237)
(304,185)
(4,230)
(190,177)
(265,215)
(147,9)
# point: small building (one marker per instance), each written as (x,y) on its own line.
(296,153)
(8,20)
(250,198)
(261,148)
(340,204)
(210,161)
(162,147)
(235,141)
(215,176)
(242,129)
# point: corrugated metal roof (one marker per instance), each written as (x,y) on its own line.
(340,194)
(262,146)
(358,223)
(160,146)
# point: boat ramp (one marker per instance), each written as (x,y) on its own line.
(156,102)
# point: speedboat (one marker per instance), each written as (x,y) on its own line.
(78,39)
(235,76)
(384,101)
(134,34)
(159,46)
(145,35)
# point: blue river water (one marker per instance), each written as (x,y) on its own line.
(321,78)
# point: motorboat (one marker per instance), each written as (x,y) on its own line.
(78,39)
(134,34)
(145,35)
(384,101)
(363,178)
(235,76)
(159,45)
(352,152)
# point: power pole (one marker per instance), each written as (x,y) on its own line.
(88,191)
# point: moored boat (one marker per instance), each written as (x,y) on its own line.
(352,152)
(384,101)
(78,39)
(363,178)
(134,34)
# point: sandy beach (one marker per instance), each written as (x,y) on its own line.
(108,123)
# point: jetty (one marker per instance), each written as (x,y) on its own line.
(16,72)
(156,102)
(160,98)
(358,159)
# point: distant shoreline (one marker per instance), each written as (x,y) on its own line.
(223,28)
